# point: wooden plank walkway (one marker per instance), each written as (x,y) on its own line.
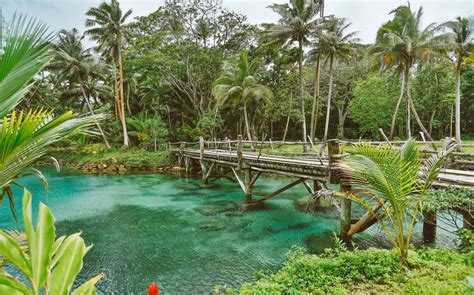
(306,167)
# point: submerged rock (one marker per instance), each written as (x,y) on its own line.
(209,210)
(213,226)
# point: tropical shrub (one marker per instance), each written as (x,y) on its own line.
(339,271)
(150,131)
(51,264)
(394,183)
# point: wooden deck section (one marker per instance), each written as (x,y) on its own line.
(304,167)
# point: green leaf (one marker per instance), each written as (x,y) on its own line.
(9,285)
(88,288)
(42,245)
(10,249)
(69,265)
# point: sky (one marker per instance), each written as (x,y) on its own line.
(366,16)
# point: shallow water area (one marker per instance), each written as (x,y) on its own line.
(168,229)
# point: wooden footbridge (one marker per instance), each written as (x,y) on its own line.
(314,168)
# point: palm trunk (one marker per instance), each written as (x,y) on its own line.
(397,107)
(451,122)
(300,73)
(288,118)
(458,104)
(315,109)
(328,110)
(431,121)
(92,112)
(340,125)
(122,101)
(116,95)
(415,113)
(247,124)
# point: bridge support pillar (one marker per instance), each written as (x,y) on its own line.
(429,227)
(248,185)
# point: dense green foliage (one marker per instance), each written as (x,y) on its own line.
(372,98)
(339,271)
(98,154)
(166,64)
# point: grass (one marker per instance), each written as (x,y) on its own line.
(339,271)
(298,148)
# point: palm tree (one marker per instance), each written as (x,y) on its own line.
(26,135)
(335,43)
(400,44)
(394,183)
(460,39)
(296,22)
(317,30)
(239,83)
(75,64)
(108,28)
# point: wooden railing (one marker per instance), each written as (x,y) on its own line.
(316,150)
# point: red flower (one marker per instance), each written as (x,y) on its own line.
(153,289)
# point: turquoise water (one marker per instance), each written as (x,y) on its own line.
(163,228)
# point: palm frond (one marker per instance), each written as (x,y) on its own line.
(24,53)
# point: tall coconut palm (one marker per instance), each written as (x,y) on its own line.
(317,30)
(335,43)
(400,44)
(239,83)
(296,22)
(460,41)
(74,64)
(26,135)
(109,29)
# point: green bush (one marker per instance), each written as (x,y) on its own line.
(432,271)
(132,158)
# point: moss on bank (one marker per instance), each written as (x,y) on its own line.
(432,271)
(97,158)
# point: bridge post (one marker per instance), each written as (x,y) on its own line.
(429,227)
(204,170)
(248,184)
(334,178)
(239,150)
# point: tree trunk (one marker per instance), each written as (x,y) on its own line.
(340,124)
(415,113)
(288,118)
(315,109)
(397,107)
(430,127)
(407,86)
(458,104)
(92,112)
(451,122)
(122,101)
(300,73)
(328,110)
(247,124)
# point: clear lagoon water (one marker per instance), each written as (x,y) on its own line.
(167,229)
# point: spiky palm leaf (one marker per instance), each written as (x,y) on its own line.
(108,28)
(23,49)
(25,135)
(238,84)
(396,180)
